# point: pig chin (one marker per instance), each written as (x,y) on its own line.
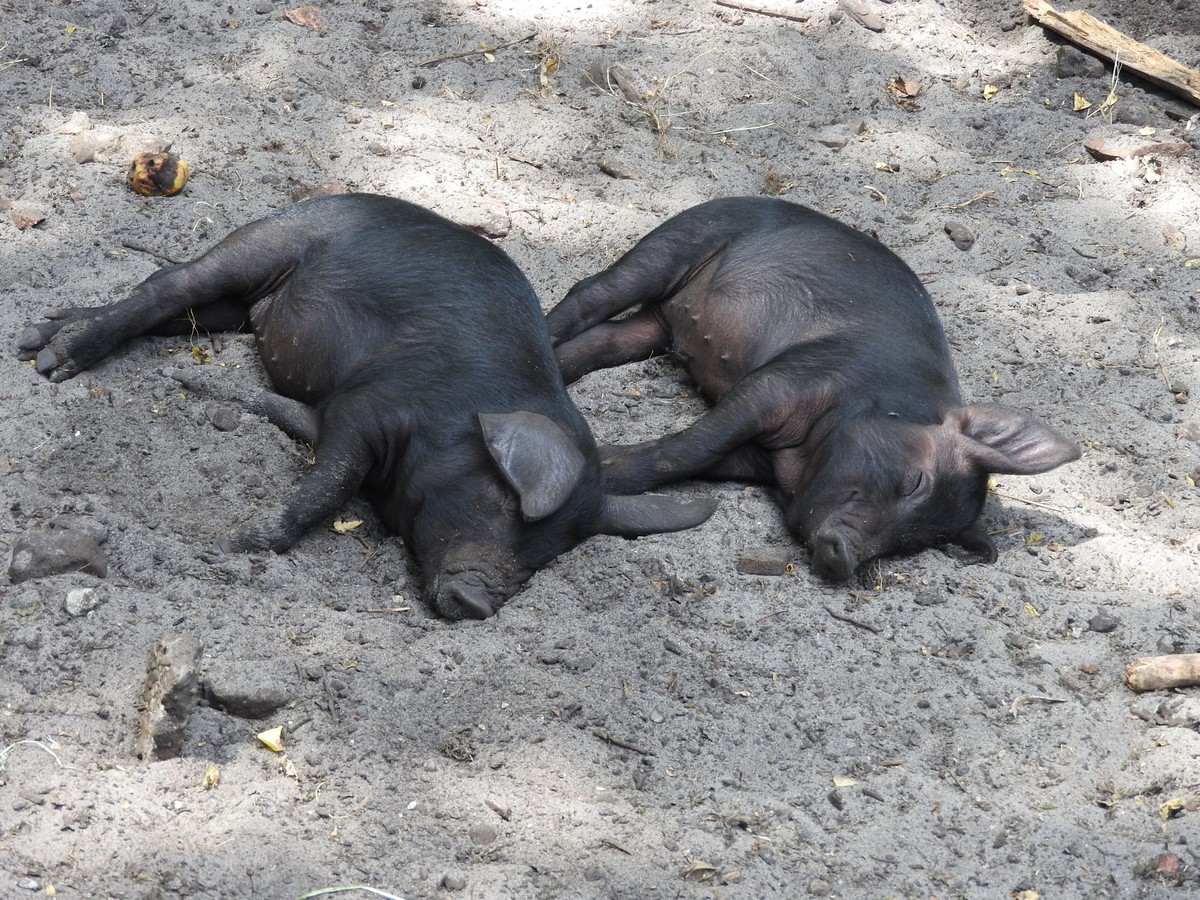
(473,593)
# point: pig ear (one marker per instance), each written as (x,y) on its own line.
(1009,442)
(538,460)
(651,514)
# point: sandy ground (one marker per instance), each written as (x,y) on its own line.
(643,720)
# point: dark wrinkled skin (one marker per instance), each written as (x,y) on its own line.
(828,371)
(413,354)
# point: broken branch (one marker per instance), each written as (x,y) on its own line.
(1099,37)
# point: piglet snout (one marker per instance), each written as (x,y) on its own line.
(463,600)
(832,556)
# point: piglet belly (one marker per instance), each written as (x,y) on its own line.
(300,356)
(719,343)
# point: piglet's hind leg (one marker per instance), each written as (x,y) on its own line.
(611,344)
(249,264)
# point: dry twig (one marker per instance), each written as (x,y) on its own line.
(842,617)
(449,56)
(759,11)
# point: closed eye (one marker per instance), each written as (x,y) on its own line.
(913,482)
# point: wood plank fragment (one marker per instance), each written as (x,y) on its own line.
(1104,149)
(1092,34)
(1156,673)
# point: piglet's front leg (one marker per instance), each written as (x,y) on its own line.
(757,415)
(637,468)
(343,460)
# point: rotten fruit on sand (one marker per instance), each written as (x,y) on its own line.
(151,174)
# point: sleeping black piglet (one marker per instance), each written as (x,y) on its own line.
(413,354)
(828,371)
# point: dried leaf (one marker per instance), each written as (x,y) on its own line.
(344,526)
(1081,102)
(1032,610)
(212,777)
(546,70)
(1170,809)
(699,870)
(844,781)
(990,91)
(308,16)
(903,91)
(1009,170)
(272,738)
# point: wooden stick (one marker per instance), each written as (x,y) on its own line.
(759,11)
(842,617)
(1092,34)
(1155,673)
(449,56)
(618,742)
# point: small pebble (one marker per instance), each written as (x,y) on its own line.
(482,834)
(81,601)
(454,881)
(500,806)
(225,417)
(963,237)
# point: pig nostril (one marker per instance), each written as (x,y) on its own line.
(831,557)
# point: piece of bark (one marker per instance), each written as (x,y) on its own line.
(765,562)
(1099,37)
(1103,149)
(862,14)
(1156,673)
(169,696)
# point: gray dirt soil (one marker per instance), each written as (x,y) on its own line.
(642,720)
